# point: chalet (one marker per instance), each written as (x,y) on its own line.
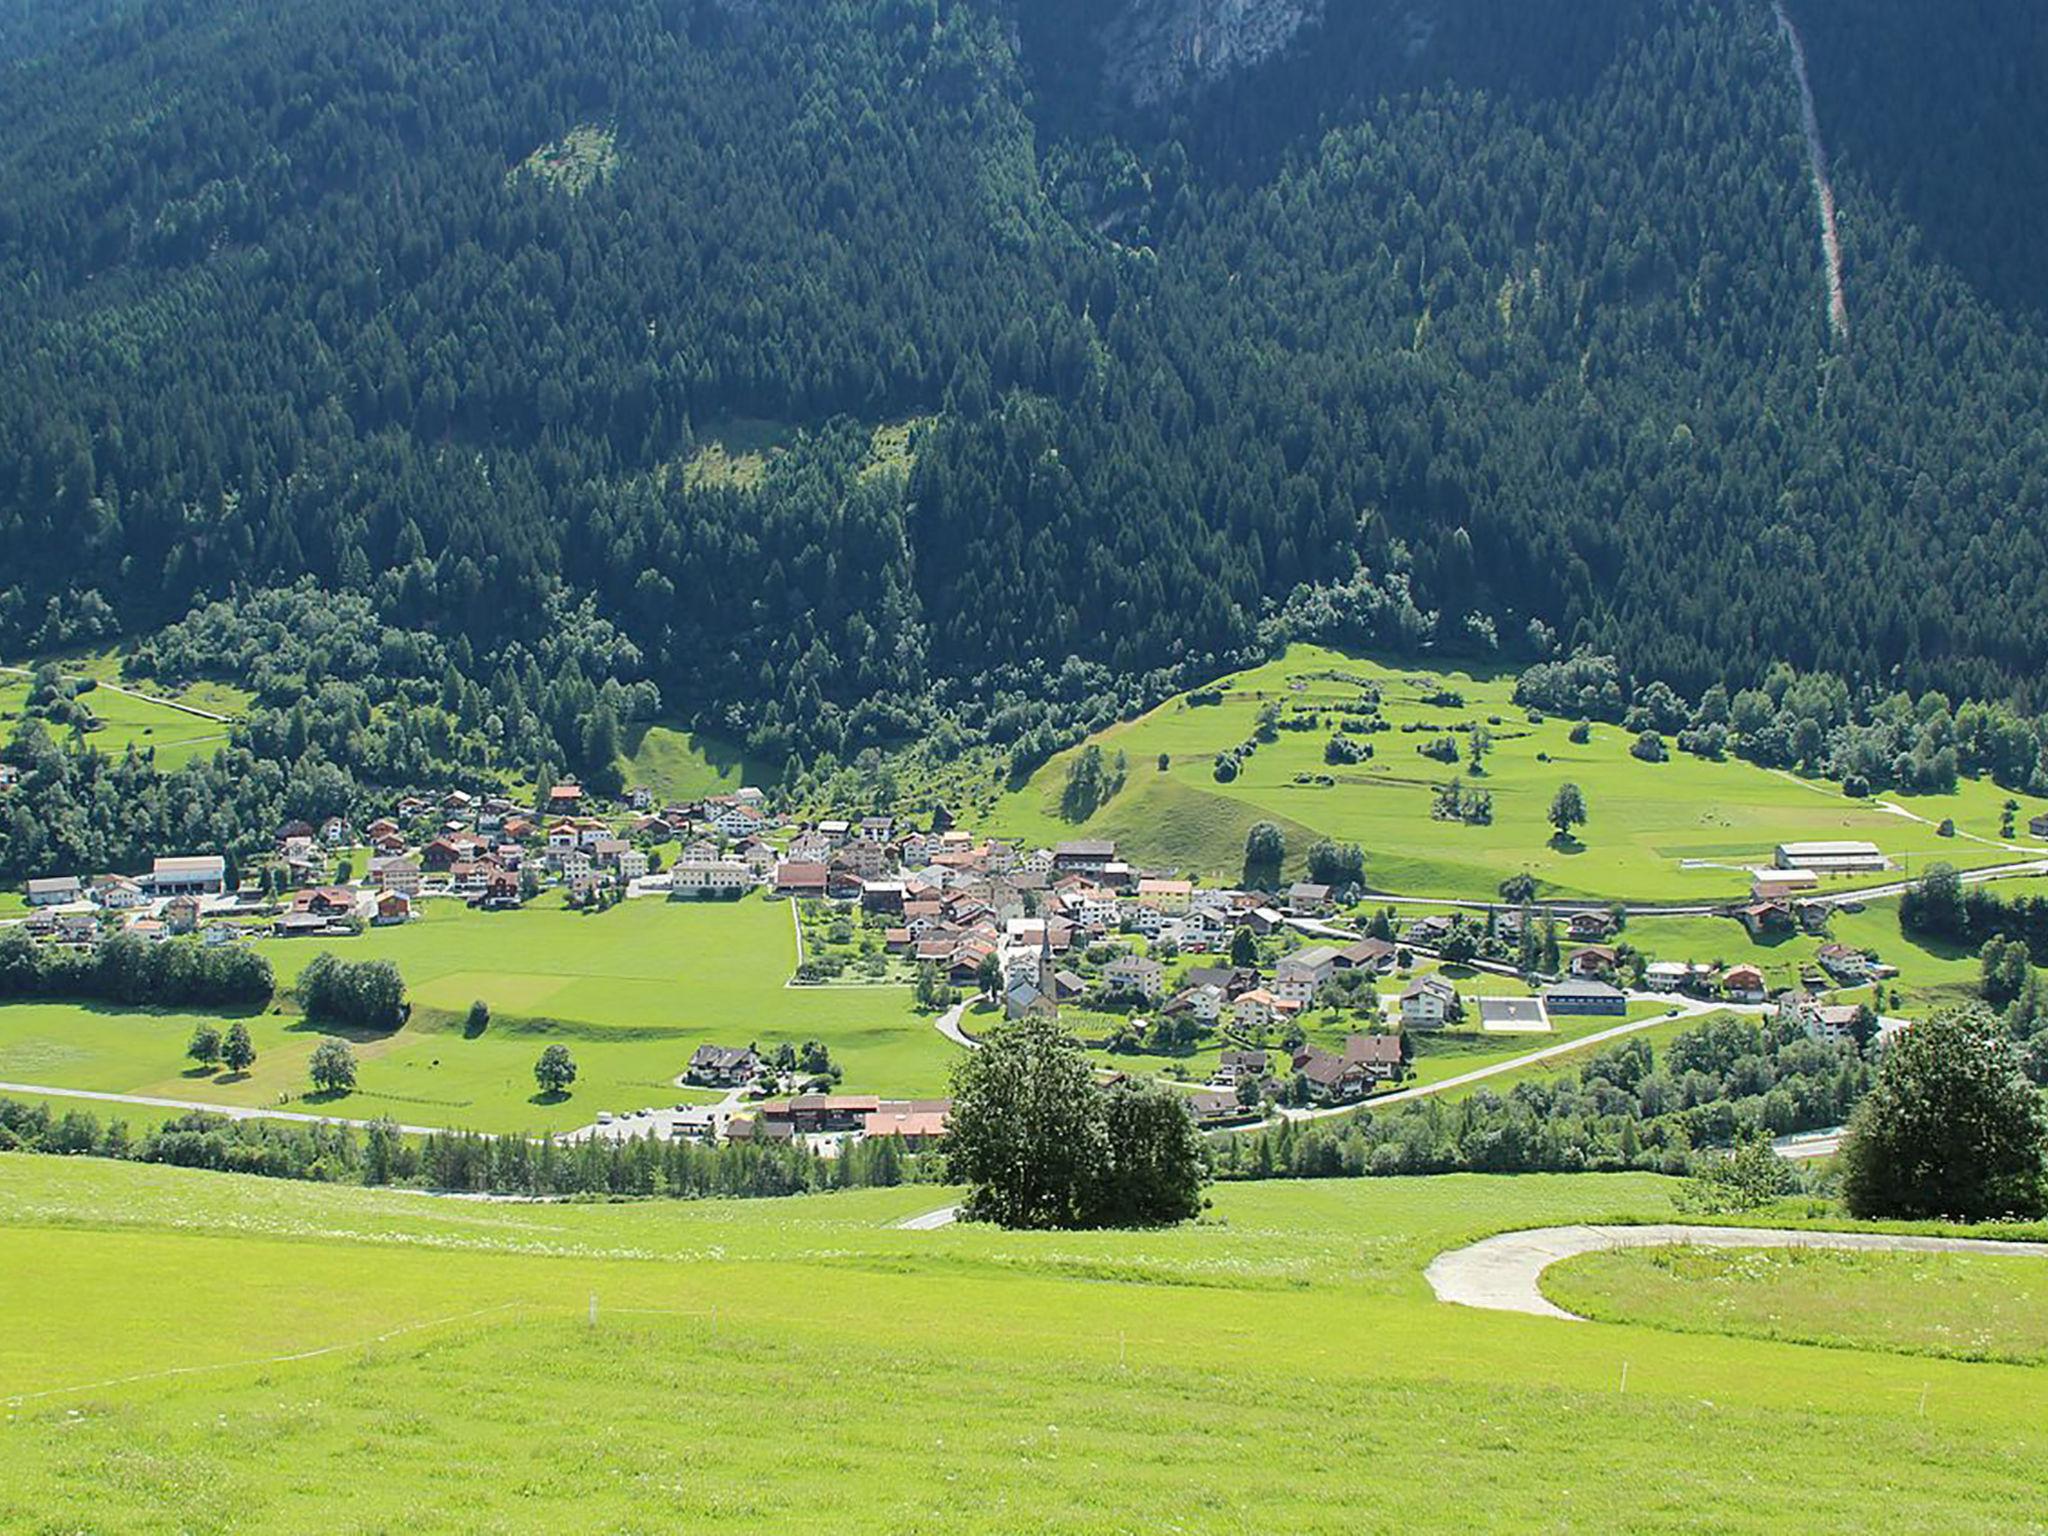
(442,854)
(1429,1002)
(590,832)
(562,835)
(383,826)
(396,874)
(1781,884)
(1427,931)
(1833,858)
(898,941)
(181,914)
(1833,1021)
(1235,1066)
(564,797)
(1211,1106)
(1307,899)
(79,928)
(117,893)
(1264,920)
(500,894)
(1084,856)
(1375,955)
(294,832)
(881,896)
(640,797)
(1582,997)
(204,875)
(1039,861)
(652,828)
(1334,1079)
(411,808)
(325,901)
(393,907)
(878,829)
(1767,917)
(810,847)
(55,891)
(1592,962)
(756,1129)
(1743,984)
(724,1066)
(574,865)
(2039,826)
(820,1113)
(1135,973)
(1589,927)
(519,828)
(299,925)
(1380,1055)
(334,832)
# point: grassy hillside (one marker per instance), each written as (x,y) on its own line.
(1649,821)
(448,1374)
(177,736)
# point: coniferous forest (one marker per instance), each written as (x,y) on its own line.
(1480,328)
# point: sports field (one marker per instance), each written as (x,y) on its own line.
(803,1363)
(1647,820)
(631,992)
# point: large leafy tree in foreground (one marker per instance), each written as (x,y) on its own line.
(1952,1128)
(1044,1147)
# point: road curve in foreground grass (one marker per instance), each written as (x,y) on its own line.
(1504,1273)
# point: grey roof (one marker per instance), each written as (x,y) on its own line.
(1583,989)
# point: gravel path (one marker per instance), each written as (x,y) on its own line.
(1503,1274)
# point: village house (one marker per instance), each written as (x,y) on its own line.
(733,819)
(1427,932)
(393,907)
(721,1066)
(564,797)
(1743,984)
(810,847)
(1781,884)
(1235,1066)
(117,893)
(325,901)
(501,892)
(77,928)
(1592,962)
(1203,1004)
(1084,856)
(1169,896)
(55,891)
(181,915)
(1260,1009)
(1589,927)
(1429,1002)
(1300,975)
(1039,861)
(1767,917)
(1135,973)
(1849,967)
(919,1123)
(2039,826)
(1667,975)
(1334,1079)
(396,874)
(1305,898)
(562,836)
(1375,955)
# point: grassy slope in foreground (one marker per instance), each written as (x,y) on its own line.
(631,992)
(960,1380)
(1646,818)
(1963,1305)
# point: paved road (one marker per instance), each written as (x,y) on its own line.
(930,1221)
(1503,1274)
(232,1111)
(948,1024)
(1810,1144)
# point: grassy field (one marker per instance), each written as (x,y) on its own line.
(1646,819)
(176,737)
(631,992)
(681,765)
(782,1363)
(1965,1306)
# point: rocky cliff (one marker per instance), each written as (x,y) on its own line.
(1154,48)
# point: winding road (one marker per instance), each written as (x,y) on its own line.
(1504,1273)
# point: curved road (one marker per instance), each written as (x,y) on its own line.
(1503,1274)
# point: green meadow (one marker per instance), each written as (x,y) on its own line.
(1967,1306)
(632,992)
(1647,820)
(175,736)
(358,1360)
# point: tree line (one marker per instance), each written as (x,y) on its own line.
(174,973)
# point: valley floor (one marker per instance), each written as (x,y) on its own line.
(191,1352)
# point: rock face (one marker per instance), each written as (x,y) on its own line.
(1153,49)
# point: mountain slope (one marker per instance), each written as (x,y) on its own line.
(1424,323)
